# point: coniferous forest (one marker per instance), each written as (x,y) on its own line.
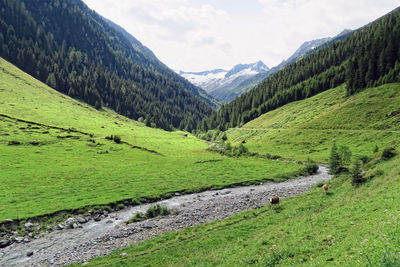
(77,52)
(369,57)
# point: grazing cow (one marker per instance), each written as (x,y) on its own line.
(325,188)
(274,201)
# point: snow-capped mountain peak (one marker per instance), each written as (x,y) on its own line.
(219,78)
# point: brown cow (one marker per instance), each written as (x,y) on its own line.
(325,188)
(274,201)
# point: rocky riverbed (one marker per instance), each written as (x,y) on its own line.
(84,240)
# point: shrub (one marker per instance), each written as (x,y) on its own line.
(310,168)
(364,159)
(157,210)
(14,143)
(357,173)
(334,160)
(388,153)
(115,138)
(139,216)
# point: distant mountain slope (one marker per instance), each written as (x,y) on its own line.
(219,83)
(75,51)
(366,57)
(226,90)
(154,64)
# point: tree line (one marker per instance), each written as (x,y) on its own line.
(368,57)
(75,51)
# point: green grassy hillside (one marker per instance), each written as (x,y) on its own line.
(350,226)
(305,129)
(63,160)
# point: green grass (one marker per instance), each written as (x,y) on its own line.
(305,129)
(351,226)
(70,173)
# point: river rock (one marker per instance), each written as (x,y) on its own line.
(123,254)
(26,240)
(97,218)
(4,243)
(60,227)
(81,219)
(8,220)
(19,239)
(29,253)
(177,194)
(225,192)
(30,225)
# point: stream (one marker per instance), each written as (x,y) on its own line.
(99,238)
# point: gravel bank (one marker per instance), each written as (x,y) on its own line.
(99,238)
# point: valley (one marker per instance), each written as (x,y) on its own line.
(109,157)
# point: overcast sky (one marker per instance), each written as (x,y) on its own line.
(197,35)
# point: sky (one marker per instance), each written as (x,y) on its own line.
(198,35)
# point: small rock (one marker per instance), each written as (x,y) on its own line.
(123,254)
(29,225)
(19,239)
(31,235)
(29,253)
(109,221)
(385,211)
(105,213)
(177,194)
(97,218)
(75,226)
(60,227)
(4,243)
(26,240)
(81,219)
(351,223)
(8,220)
(226,192)
(252,190)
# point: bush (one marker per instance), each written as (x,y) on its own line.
(115,138)
(334,160)
(364,159)
(157,210)
(310,168)
(388,153)
(137,218)
(357,173)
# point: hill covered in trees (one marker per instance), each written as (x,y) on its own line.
(370,57)
(79,53)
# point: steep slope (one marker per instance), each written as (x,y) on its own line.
(220,83)
(348,226)
(368,57)
(154,64)
(305,129)
(57,154)
(75,51)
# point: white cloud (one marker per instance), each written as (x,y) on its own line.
(196,35)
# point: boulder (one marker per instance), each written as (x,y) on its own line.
(4,243)
(81,219)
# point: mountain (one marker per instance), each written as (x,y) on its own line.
(219,86)
(362,58)
(79,53)
(153,63)
(220,83)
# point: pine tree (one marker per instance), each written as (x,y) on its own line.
(356,173)
(334,160)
